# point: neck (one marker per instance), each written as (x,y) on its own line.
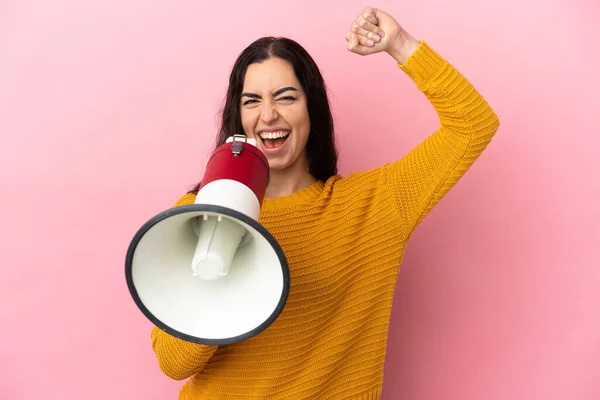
(286,182)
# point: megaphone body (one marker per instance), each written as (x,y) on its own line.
(209,272)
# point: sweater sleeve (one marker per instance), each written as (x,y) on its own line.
(177,358)
(467,124)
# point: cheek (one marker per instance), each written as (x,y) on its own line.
(298,118)
(248,123)
(303,124)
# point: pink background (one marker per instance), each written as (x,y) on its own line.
(107,114)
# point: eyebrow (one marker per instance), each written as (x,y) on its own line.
(276,93)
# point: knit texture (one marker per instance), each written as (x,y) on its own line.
(344,240)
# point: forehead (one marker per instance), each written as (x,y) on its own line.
(270,75)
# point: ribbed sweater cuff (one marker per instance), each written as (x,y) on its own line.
(424,65)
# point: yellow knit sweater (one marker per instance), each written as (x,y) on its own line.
(344,240)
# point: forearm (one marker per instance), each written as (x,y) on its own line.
(179,359)
(460,107)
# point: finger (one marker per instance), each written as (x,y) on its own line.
(369,26)
(352,40)
(363,32)
(365,41)
(355,46)
(370,14)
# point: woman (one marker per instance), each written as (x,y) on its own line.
(343,237)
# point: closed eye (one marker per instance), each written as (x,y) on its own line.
(286,99)
(253,97)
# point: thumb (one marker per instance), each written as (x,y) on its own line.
(352,41)
(353,44)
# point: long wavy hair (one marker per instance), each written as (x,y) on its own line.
(321,150)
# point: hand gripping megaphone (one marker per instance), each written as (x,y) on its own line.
(208,272)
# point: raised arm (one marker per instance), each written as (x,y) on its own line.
(179,359)
(467,123)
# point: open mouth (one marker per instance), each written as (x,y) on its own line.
(274,140)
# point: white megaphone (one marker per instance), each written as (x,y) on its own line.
(208,272)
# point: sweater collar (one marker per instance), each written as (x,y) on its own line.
(301,197)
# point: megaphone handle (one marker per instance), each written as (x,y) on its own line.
(237,145)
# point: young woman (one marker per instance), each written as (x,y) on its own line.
(343,237)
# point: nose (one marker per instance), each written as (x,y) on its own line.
(268,113)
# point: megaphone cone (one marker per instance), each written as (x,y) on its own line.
(208,272)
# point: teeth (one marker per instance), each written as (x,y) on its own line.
(274,135)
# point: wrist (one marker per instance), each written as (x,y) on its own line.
(403,47)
